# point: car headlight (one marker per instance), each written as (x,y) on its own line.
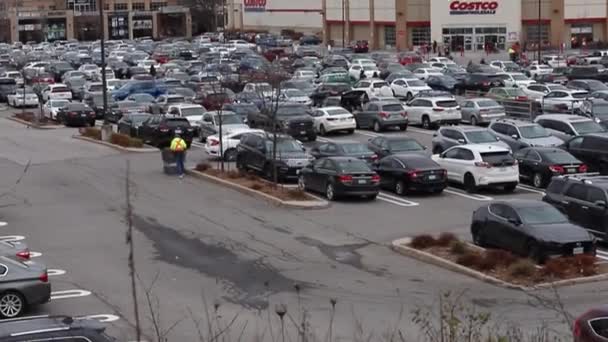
(597,120)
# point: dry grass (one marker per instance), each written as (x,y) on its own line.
(91,132)
(33,118)
(423,241)
(126,141)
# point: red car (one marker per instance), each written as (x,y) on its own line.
(406,58)
(212,100)
(360,46)
(592,326)
(43,78)
(160,57)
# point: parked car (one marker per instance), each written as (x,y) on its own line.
(56,91)
(539,164)
(49,328)
(210,123)
(481,111)
(480,165)
(21,98)
(255,152)
(450,136)
(339,177)
(332,119)
(343,148)
(384,146)
(538,91)
(408,88)
(515,79)
(529,228)
(431,111)
(589,86)
(229,143)
(592,326)
(243,110)
(519,134)
(566,126)
(379,115)
(76,114)
(533,71)
(23,285)
(591,149)
(119,108)
(441,82)
(159,130)
(563,100)
(7,86)
(130,122)
(583,200)
(404,173)
(479,82)
(52,107)
(153,88)
(596,109)
(553,78)
(507,93)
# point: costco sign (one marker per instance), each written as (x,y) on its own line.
(473,7)
(254,5)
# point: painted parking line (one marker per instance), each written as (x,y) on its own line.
(197,144)
(421,131)
(600,254)
(369,134)
(531,189)
(10,238)
(321,139)
(69,294)
(3,224)
(35,254)
(53,272)
(396,200)
(102,318)
(475,197)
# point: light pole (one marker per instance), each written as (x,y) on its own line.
(343,25)
(106,125)
(539,35)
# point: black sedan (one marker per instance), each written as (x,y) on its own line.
(129,123)
(539,164)
(443,82)
(353,149)
(407,172)
(159,130)
(385,146)
(529,228)
(340,176)
(76,114)
(120,108)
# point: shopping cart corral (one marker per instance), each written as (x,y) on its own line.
(169,161)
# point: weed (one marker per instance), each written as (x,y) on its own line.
(458,247)
(445,239)
(202,167)
(522,268)
(470,259)
(499,257)
(423,241)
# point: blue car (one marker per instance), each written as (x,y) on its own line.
(153,88)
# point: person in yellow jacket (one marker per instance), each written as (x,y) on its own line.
(178,147)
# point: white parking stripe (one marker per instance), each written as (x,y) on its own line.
(475,197)
(197,144)
(422,131)
(10,238)
(324,139)
(102,318)
(55,272)
(602,252)
(369,134)
(35,255)
(531,189)
(69,294)
(2,223)
(396,200)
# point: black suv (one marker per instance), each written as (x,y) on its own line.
(53,328)
(159,130)
(583,200)
(292,119)
(255,151)
(591,149)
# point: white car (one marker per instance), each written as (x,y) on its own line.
(261,89)
(17,99)
(555,61)
(147,63)
(433,111)
(56,91)
(480,165)
(192,112)
(90,70)
(35,67)
(229,142)
(424,73)
(52,106)
(537,91)
(443,60)
(16,75)
(408,88)
(563,100)
(368,69)
(240,44)
(364,61)
(295,96)
(331,119)
(538,69)
(515,79)
(504,65)
(72,74)
(113,84)
(371,87)
(304,75)
(118,54)
(109,75)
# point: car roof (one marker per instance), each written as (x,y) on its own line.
(563,117)
(544,149)
(481,148)
(522,203)
(515,122)
(464,128)
(41,324)
(475,99)
(345,159)
(332,108)
(396,138)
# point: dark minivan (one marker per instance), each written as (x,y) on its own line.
(7,86)
(591,149)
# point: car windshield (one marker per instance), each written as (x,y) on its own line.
(229,119)
(245,109)
(480,137)
(533,131)
(77,82)
(176,99)
(294,93)
(405,145)
(580,95)
(285,146)
(520,77)
(487,103)
(59,104)
(352,166)
(137,119)
(541,215)
(447,104)
(600,110)
(338,111)
(514,92)
(263,88)
(559,157)
(393,107)
(585,127)
(416,83)
(292,110)
(173,123)
(355,148)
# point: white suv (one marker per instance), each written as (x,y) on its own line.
(480,165)
(433,111)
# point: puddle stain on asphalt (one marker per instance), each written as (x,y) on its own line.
(248,281)
(344,254)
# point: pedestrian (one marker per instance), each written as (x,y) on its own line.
(152,70)
(434,46)
(178,147)
(362,74)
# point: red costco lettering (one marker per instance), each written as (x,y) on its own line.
(473,7)
(255,3)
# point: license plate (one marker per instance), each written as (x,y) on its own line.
(432,177)
(303,132)
(571,170)
(178,131)
(361,181)
(83,115)
(578,250)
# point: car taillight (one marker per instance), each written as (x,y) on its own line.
(404,114)
(72,113)
(214,142)
(438,109)
(44,277)
(483,164)
(413,174)
(583,168)
(444,173)
(557,168)
(346,179)
(576,329)
(24,254)
(486,83)
(375,179)
(91,113)
(384,115)
(484,110)
(374,157)
(521,98)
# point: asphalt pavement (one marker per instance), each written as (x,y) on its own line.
(197,243)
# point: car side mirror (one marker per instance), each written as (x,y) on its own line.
(515,136)
(461,141)
(514,221)
(601,204)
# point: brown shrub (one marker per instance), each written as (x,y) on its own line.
(588,271)
(445,239)
(91,132)
(423,241)
(557,267)
(297,194)
(251,176)
(257,186)
(202,167)
(232,174)
(458,247)
(522,268)
(125,140)
(500,257)
(584,260)
(27,116)
(470,259)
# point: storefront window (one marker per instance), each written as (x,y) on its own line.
(532,34)
(421,36)
(581,35)
(121,7)
(155,6)
(82,5)
(475,38)
(389,36)
(119,27)
(139,6)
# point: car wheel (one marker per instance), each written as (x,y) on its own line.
(510,188)
(350,131)
(322,130)
(538,180)
(437,150)
(478,237)
(469,183)
(230,155)
(312,137)
(12,305)
(426,122)
(399,188)
(409,96)
(377,127)
(403,127)
(329,192)
(535,253)
(301,183)
(474,121)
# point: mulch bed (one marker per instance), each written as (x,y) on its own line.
(34,119)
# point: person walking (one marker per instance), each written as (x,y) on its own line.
(152,70)
(434,46)
(178,147)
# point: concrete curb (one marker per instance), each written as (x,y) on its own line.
(313,204)
(33,125)
(116,147)
(400,246)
